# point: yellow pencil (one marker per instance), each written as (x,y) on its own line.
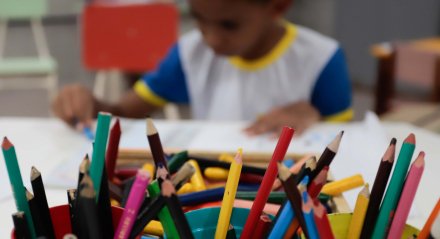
(148,167)
(345,184)
(360,209)
(217,174)
(154,228)
(197,181)
(229,196)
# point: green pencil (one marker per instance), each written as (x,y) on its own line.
(177,161)
(99,148)
(394,189)
(164,215)
(17,183)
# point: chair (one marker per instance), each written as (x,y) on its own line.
(415,62)
(32,71)
(126,38)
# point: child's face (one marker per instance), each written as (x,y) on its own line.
(233,27)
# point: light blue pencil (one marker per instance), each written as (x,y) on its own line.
(307,208)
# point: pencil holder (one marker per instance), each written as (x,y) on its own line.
(203,222)
(340,223)
(61,219)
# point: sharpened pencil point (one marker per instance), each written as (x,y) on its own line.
(420,160)
(411,139)
(283,172)
(34,173)
(334,145)
(239,156)
(6,143)
(393,141)
(168,188)
(151,129)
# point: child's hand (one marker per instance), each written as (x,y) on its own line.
(75,105)
(299,116)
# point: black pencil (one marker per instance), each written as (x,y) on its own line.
(183,175)
(327,156)
(306,169)
(84,168)
(21,226)
(182,226)
(146,215)
(35,213)
(41,202)
(104,208)
(231,233)
(115,191)
(89,223)
(155,144)
(71,200)
(289,184)
(380,183)
(206,163)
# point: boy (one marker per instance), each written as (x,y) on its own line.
(243,63)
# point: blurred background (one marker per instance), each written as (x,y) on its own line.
(369,32)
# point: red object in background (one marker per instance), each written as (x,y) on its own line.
(132,38)
(61,219)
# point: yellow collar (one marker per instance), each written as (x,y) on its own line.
(270,57)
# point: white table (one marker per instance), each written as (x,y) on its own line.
(47,143)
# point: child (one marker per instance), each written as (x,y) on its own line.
(242,63)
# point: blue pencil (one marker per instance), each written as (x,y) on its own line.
(307,207)
(210,195)
(282,222)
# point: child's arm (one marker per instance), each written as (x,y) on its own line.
(76,105)
(299,115)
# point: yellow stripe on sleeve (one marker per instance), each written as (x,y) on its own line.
(343,116)
(148,95)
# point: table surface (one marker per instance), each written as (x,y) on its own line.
(48,143)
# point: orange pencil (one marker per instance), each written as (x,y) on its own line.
(424,233)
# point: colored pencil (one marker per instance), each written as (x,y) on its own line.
(308,167)
(177,161)
(424,233)
(342,185)
(209,195)
(41,202)
(327,156)
(73,211)
(377,192)
(197,180)
(169,193)
(307,210)
(282,222)
(205,163)
(268,180)
(216,174)
(394,189)
(155,144)
(35,213)
(146,215)
(17,182)
(360,209)
(293,169)
(289,183)
(291,230)
(316,185)
(112,149)
(182,175)
(126,187)
(105,208)
(21,226)
(88,219)
(164,215)
(406,199)
(99,148)
(277,197)
(162,173)
(84,167)
(321,220)
(231,233)
(229,197)
(115,191)
(262,228)
(137,194)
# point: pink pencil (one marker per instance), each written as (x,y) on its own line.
(134,201)
(266,184)
(407,197)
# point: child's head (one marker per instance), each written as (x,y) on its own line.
(237,27)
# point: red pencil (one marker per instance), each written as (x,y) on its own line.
(112,149)
(317,184)
(263,226)
(268,180)
(407,197)
(321,220)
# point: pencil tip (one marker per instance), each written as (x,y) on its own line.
(6,143)
(411,139)
(420,160)
(334,145)
(393,141)
(167,188)
(34,173)
(151,129)
(239,156)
